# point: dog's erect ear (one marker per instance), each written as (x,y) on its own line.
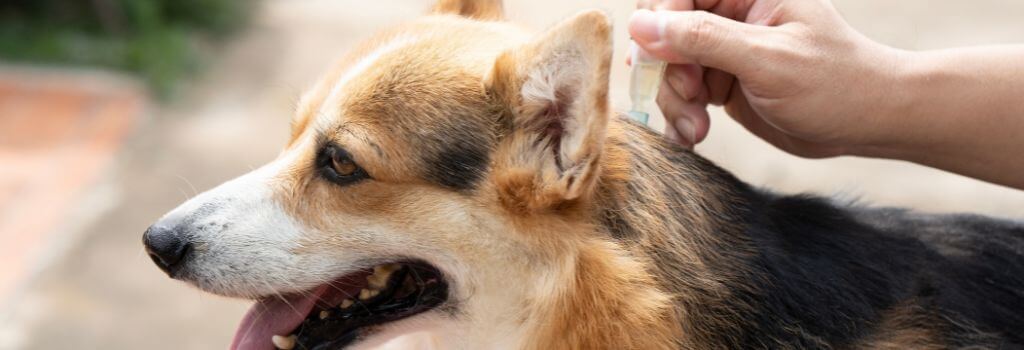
(554,93)
(479,9)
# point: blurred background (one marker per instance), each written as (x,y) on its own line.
(114,111)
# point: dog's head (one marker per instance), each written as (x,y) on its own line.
(435,179)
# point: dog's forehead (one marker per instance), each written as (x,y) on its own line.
(418,88)
(410,80)
(421,57)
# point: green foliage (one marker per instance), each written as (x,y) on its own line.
(158,39)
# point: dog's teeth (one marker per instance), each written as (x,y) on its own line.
(324,314)
(381,273)
(389,268)
(376,282)
(367,294)
(284,343)
(346,303)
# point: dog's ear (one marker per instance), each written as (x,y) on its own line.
(478,9)
(554,95)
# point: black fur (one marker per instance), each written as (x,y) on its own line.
(807,272)
(458,167)
(461,160)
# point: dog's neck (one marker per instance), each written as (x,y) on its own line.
(610,302)
(686,217)
(660,211)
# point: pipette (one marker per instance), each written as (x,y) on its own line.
(644,81)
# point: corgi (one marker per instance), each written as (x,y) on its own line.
(461,177)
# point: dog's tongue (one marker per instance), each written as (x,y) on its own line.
(273,316)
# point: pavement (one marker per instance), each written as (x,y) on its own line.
(87,162)
(58,133)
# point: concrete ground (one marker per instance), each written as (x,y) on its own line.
(91,286)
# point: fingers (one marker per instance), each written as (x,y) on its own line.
(735,9)
(694,83)
(697,37)
(670,5)
(675,5)
(732,9)
(718,85)
(672,135)
(689,120)
(687,81)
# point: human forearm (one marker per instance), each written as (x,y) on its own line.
(961,110)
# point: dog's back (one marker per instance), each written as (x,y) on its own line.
(753,269)
(970,272)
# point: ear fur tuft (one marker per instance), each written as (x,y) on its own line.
(556,92)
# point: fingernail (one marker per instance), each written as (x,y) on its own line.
(686,131)
(671,134)
(645,26)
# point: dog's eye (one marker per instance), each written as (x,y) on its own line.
(337,165)
(344,166)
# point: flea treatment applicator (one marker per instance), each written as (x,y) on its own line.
(644,80)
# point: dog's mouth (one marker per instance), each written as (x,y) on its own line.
(339,313)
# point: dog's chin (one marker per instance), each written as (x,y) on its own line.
(351,309)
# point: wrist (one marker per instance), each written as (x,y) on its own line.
(895,100)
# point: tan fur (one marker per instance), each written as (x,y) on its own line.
(383,107)
(906,326)
(909,325)
(611,302)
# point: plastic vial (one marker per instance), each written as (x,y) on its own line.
(644,81)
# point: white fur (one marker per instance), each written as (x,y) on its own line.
(561,71)
(242,238)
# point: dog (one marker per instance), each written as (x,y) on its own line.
(458,176)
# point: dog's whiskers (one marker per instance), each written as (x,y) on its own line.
(195,192)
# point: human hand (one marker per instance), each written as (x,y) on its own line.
(790,71)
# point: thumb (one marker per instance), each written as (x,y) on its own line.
(697,37)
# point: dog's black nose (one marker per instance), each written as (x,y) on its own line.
(166,246)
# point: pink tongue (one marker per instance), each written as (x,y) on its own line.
(273,316)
